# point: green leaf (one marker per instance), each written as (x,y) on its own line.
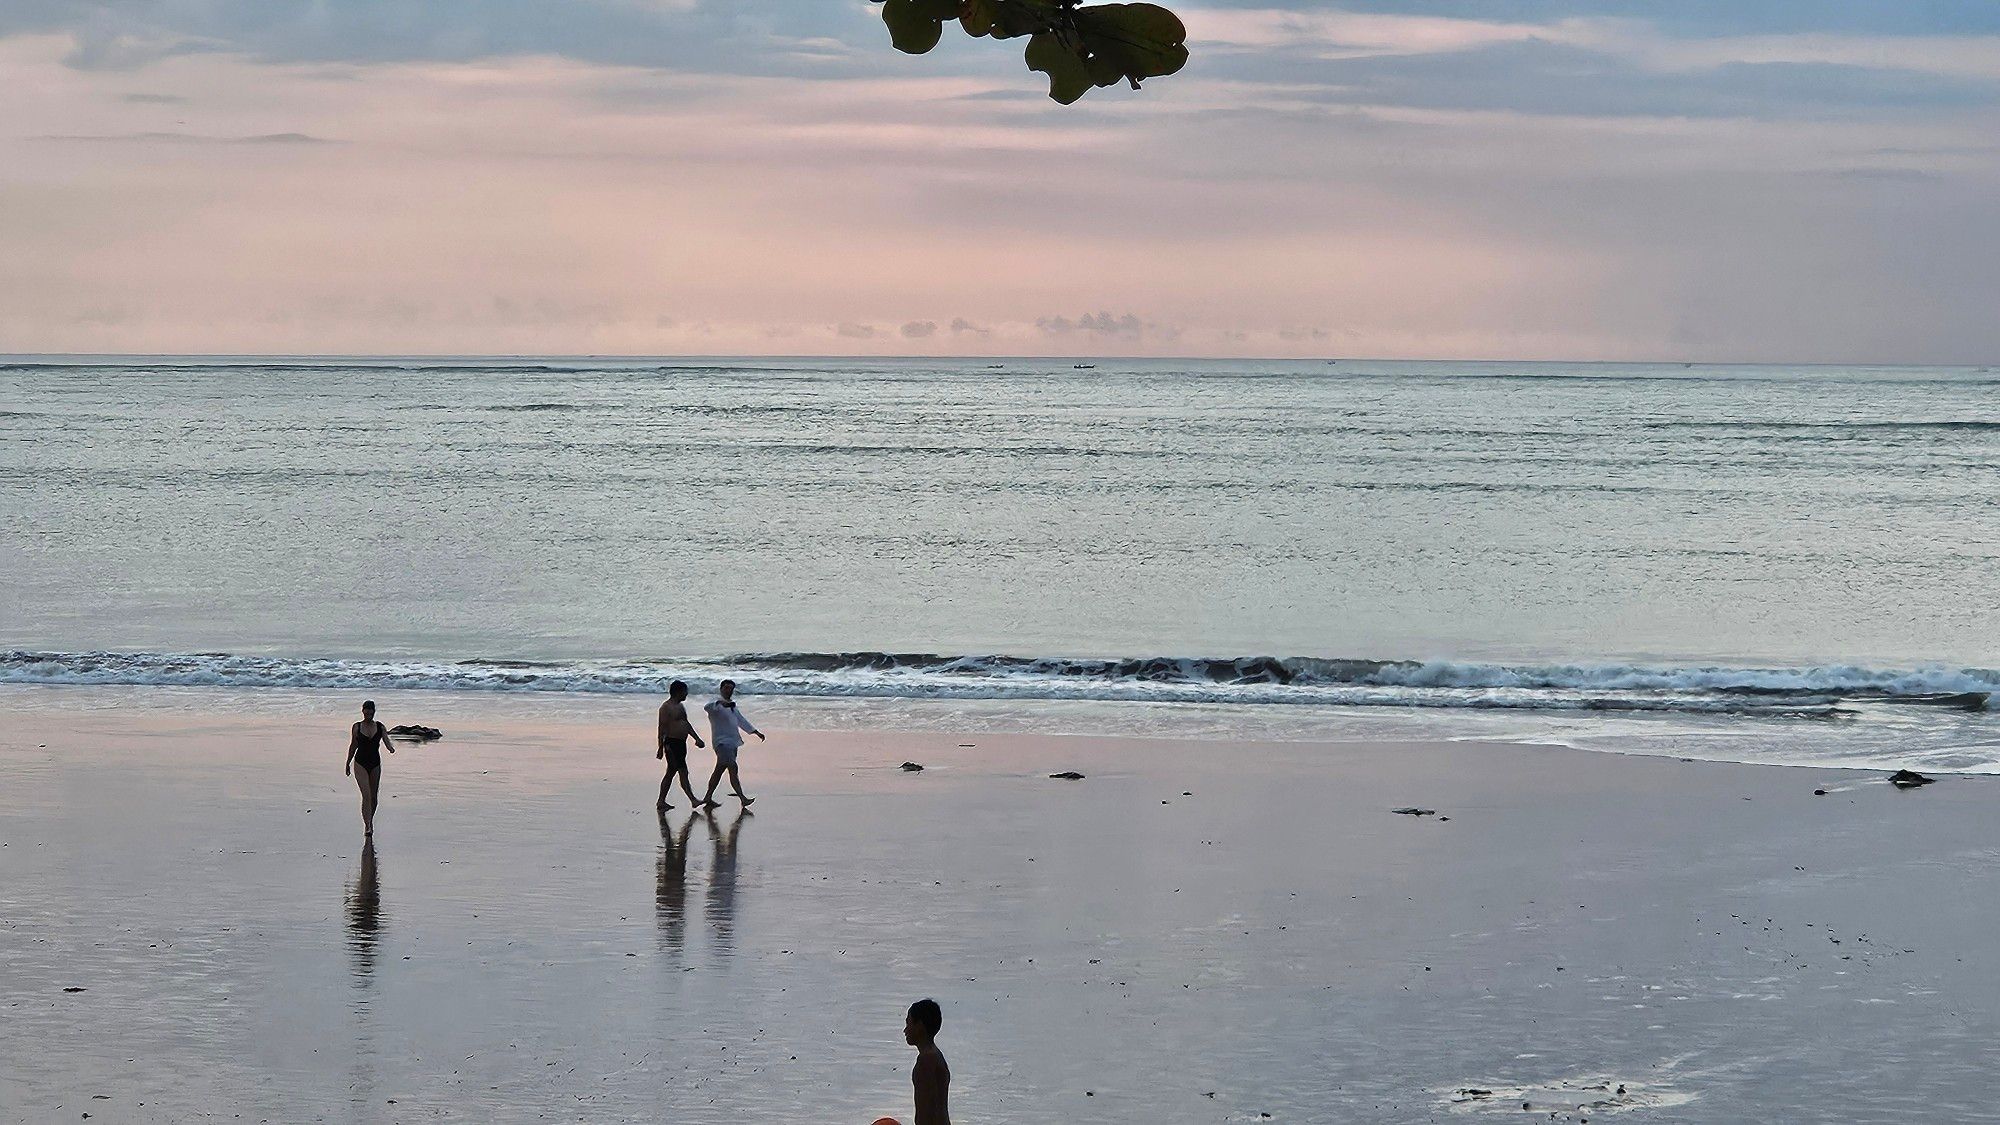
(1104,70)
(1077,47)
(1007,19)
(912,26)
(1139,40)
(1069,78)
(978,17)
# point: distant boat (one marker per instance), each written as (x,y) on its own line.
(1086,366)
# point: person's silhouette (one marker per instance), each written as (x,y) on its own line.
(931,1077)
(675,730)
(364,761)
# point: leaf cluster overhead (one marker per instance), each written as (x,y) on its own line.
(1077,45)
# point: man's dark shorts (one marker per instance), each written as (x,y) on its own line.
(677,754)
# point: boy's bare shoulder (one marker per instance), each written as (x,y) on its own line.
(931,1064)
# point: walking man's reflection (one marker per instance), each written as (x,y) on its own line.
(364,914)
(671,898)
(722,879)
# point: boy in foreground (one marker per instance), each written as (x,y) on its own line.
(931,1076)
(675,730)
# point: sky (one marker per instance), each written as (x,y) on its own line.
(1756,180)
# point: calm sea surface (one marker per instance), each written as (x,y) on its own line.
(1793,547)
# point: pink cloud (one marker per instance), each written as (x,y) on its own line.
(543,205)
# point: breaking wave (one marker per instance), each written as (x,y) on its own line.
(1829,692)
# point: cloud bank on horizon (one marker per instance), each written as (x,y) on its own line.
(1782,180)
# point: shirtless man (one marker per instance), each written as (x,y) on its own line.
(675,730)
(931,1077)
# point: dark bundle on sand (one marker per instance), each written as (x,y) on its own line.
(1909,779)
(417,733)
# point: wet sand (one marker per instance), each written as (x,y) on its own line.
(1196,932)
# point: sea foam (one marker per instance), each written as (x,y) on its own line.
(1827,691)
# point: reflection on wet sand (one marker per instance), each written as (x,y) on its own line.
(671,897)
(364,932)
(722,881)
(364,915)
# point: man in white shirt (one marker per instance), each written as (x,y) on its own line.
(726,726)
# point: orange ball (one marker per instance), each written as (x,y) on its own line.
(887,1121)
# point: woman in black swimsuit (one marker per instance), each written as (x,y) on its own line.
(364,761)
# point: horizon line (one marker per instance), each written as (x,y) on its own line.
(634,357)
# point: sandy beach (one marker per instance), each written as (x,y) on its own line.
(1197,931)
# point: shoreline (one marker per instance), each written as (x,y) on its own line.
(1789,743)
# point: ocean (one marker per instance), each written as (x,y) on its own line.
(1766,564)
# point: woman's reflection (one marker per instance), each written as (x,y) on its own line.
(364,915)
